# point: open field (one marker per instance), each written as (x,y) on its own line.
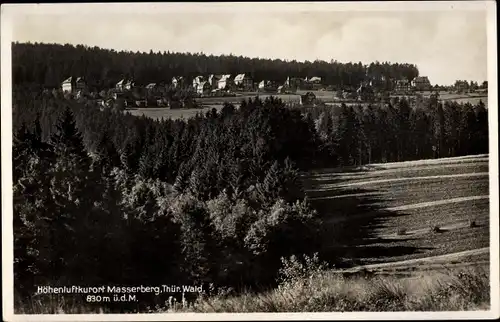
(166,113)
(326,96)
(386,212)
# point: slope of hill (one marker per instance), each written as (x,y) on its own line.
(407,210)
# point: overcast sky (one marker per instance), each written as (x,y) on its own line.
(445,45)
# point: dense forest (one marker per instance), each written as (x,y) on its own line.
(47,65)
(102,197)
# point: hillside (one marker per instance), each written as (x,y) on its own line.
(389,210)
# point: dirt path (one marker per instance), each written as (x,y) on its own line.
(353,184)
(437,203)
(406,165)
(374,171)
(434,260)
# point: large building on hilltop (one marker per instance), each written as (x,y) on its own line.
(421,83)
(73,84)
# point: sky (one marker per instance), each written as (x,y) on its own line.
(446,45)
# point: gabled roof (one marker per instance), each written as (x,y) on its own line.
(315,78)
(68,80)
(225,77)
(151,85)
(212,76)
(120,82)
(239,77)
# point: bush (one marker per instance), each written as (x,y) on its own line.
(436,229)
(294,268)
(472,224)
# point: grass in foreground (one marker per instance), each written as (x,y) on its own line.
(464,289)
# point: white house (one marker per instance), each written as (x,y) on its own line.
(314,80)
(67,85)
(125,85)
(214,80)
(73,84)
(177,81)
(203,88)
(262,84)
(225,82)
(198,80)
(151,86)
(243,81)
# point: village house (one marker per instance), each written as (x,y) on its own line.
(151,86)
(225,82)
(125,85)
(72,85)
(421,83)
(198,80)
(294,83)
(267,86)
(244,81)
(461,86)
(365,92)
(262,84)
(177,81)
(402,85)
(314,80)
(213,80)
(281,89)
(203,88)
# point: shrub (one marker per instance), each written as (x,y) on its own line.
(472,224)
(436,229)
(295,268)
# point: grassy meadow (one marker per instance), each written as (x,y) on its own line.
(326,96)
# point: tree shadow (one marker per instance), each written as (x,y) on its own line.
(353,219)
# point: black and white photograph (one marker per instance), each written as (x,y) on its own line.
(215,161)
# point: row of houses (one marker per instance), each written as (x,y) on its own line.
(216,84)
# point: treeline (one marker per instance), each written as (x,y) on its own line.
(357,135)
(47,65)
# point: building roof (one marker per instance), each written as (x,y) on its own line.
(239,77)
(71,79)
(151,85)
(314,79)
(225,77)
(120,82)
